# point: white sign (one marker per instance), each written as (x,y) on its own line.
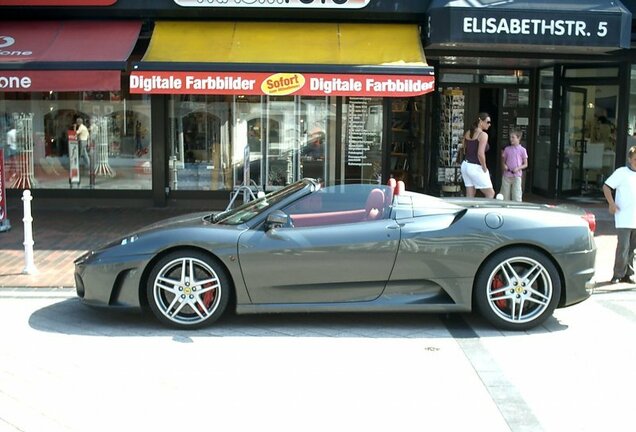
(533,27)
(73,158)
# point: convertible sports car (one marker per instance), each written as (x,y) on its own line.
(307,248)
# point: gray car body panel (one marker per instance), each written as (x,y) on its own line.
(424,257)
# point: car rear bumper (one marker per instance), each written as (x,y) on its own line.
(578,276)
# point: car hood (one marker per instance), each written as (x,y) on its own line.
(160,228)
(183,221)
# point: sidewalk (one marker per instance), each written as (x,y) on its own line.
(61,235)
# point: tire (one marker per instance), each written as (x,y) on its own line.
(517,289)
(187,289)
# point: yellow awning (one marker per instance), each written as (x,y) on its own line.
(286,43)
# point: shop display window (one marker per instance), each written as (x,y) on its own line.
(115,155)
(223,142)
(631,119)
(363,119)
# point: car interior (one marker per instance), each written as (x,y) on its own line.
(333,208)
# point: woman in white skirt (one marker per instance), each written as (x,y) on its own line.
(474,170)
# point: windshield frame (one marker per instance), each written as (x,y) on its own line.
(252,209)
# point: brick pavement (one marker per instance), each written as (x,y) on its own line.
(61,235)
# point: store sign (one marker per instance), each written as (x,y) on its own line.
(276,4)
(57,2)
(259,83)
(60,80)
(8,50)
(524,27)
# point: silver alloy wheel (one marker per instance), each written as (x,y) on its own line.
(187,291)
(519,289)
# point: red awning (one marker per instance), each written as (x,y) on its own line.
(47,55)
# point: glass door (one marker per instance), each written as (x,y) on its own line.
(573,143)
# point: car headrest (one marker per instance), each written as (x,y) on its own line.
(375,200)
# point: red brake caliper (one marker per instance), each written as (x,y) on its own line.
(208,298)
(497,283)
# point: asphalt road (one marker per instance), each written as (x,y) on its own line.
(67,367)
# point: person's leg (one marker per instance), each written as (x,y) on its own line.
(466,176)
(488,192)
(505,188)
(516,189)
(84,155)
(622,252)
(631,251)
(482,181)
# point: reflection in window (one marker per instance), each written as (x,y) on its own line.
(362,124)
(631,119)
(335,205)
(543,145)
(217,142)
(117,152)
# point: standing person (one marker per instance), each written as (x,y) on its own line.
(514,160)
(12,142)
(82,138)
(623,181)
(474,170)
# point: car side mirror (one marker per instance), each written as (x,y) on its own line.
(277,219)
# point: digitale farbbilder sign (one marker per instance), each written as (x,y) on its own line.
(279,84)
(313,4)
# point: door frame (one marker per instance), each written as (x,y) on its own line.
(560,85)
(574,191)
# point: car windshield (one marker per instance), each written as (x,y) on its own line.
(252,209)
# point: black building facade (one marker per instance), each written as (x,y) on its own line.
(187,100)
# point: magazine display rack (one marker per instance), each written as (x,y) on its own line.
(451,137)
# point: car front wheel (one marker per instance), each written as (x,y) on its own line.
(187,289)
(517,289)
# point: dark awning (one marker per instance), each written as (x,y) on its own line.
(65,55)
(283,58)
(559,26)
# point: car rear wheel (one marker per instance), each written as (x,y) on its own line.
(517,289)
(187,289)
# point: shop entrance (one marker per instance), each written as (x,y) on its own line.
(587,139)
(490,102)
(573,145)
(504,95)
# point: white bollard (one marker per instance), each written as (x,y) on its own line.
(29,265)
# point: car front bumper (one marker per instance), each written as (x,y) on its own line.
(110,281)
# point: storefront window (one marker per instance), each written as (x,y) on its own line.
(218,141)
(543,145)
(112,153)
(362,144)
(631,137)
